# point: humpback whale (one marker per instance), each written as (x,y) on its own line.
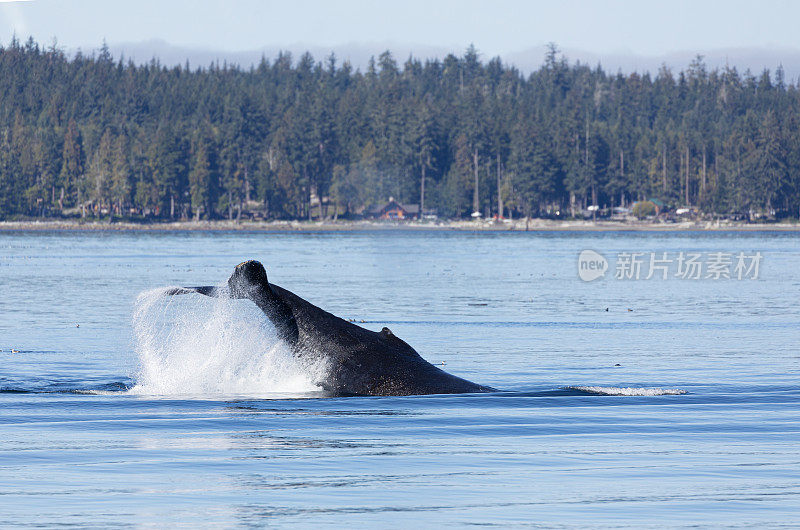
(360,361)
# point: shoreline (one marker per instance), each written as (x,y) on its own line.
(534,225)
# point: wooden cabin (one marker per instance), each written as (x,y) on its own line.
(393,210)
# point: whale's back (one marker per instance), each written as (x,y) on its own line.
(366,362)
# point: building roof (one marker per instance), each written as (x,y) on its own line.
(391,203)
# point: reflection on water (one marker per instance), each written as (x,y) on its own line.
(680,412)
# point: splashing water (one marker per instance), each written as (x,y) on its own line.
(628,391)
(196,345)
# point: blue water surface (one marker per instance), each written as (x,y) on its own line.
(79,446)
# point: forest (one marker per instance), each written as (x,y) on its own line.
(94,135)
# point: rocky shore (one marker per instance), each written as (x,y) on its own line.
(333,226)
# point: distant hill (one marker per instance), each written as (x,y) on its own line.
(754,59)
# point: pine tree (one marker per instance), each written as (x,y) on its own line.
(766,163)
(457,134)
(72,165)
(100,172)
(121,176)
(200,180)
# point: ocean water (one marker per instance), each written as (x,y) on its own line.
(621,402)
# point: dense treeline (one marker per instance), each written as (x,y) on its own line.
(92,135)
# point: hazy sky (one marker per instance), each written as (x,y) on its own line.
(496,27)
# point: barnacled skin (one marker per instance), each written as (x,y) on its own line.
(360,361)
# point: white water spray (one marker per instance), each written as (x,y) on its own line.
(628,391)
(196,345)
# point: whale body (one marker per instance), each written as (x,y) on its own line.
(359,361)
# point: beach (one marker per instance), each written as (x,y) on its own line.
(345,226)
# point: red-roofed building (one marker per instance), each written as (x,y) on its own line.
(394,210)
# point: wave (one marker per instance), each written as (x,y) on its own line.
(195,345)
(627,391)
(112,388)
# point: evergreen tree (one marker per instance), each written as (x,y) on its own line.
(100,172)
(288,138)
(121,176)
(72,165)
(200,181)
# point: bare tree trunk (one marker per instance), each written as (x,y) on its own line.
(703,183)
(622,174)
(499,194)
(246,186)
(422,190)
(716,167)
(586,148)
(681,174)
(738,175)
(308,192)
(171,206)
(591,173)
(476,203)
(687,176)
